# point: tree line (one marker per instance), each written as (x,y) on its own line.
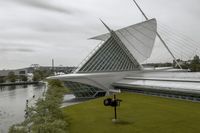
(11,77)
(193,65)
(38,75)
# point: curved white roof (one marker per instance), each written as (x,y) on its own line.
(139,38)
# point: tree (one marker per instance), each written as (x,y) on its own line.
(2,80)
(36,76)
(40,74)
(196,60)
(195,64)
(11,76)
(46,116)
(23,78)
(16,129)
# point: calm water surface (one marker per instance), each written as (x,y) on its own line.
(13,101)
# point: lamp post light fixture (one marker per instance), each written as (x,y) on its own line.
(113,103)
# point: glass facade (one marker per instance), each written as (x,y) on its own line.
(81,90)
(112,56)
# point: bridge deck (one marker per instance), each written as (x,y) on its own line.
(165,79)
(185,88)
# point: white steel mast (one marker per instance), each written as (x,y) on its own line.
(158,35)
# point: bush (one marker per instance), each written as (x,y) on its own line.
(23,78)
(11,76)
(2,80)
(40,75)
(46,116)
(195,64)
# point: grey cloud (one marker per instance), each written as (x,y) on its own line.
(15,44)
(43,4)
(24,50)
(22,47)
(5,50)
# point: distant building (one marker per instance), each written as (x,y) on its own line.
(56,69)
(17,72)
(26,71)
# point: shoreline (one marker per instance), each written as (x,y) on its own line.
(19,83)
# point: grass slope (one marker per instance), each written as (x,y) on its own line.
(137,114)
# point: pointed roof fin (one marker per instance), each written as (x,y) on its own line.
(106,26)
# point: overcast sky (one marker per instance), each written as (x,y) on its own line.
(35,31)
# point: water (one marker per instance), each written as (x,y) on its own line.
(13,101)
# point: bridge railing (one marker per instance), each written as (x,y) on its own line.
(88,57)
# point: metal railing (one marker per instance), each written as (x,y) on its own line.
(88,57)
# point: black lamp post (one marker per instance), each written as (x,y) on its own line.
(113,103)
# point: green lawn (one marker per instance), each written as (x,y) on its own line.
(137,114)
